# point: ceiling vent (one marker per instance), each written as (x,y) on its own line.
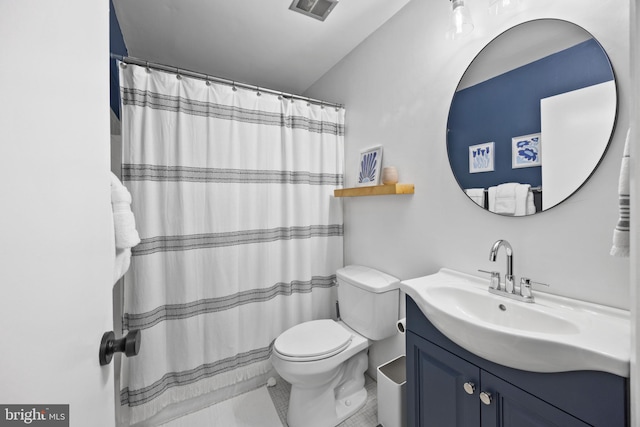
(318,9)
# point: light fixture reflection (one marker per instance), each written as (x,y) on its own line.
(497,7)
(460,23)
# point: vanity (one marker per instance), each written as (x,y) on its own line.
(485,352)
(554,362)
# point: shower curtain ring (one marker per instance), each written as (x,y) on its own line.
(178,76)
(233,86)
(258,91)
(206,81)
(147,67)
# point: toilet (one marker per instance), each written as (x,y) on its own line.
(325,360)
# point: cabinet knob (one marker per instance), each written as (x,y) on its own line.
(469,387)
(485,397)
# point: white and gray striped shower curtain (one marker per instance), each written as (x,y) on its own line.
(241,236)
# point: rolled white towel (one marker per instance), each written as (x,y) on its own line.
(531,206)
(491,196)
(126,234)
(524,200)
(506,198)
(476,194)
(120,196)
(124,221)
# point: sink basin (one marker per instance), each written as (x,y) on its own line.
(473,303)
(554,334)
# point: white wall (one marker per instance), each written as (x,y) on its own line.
(397,87)
(57,250)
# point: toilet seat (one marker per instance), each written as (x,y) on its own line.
(314,340)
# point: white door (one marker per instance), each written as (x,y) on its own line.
(56,235)
(574,126)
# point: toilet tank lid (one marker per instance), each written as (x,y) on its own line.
(367,278)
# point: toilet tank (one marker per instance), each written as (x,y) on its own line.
(369,301)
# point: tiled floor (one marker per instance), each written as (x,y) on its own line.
(267,407)
(365,417)
(252,409)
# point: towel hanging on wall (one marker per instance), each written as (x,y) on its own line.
(621,232)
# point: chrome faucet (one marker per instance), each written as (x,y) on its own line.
(509,280)
(523,293)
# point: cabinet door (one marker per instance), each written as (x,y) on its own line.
(436,387)
(513,407)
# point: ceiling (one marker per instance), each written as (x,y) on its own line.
(521,45)
(258,42)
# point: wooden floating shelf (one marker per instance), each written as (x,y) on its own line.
(377,190)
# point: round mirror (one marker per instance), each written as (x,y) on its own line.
(531,117)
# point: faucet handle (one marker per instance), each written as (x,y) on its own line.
(495,278)
(531,282)
(525,286)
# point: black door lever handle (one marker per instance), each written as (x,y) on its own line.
(129,345)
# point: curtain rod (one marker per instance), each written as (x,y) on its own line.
(206,77)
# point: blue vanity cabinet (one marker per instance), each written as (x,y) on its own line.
(513,407)
(435,384)
(444,382)
(444,391)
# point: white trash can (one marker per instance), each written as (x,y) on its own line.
(392,377)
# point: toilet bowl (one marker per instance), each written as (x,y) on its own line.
(325,360)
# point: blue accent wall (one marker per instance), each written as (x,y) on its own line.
(117,46)
(508,105)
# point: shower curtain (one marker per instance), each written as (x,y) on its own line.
(241,235)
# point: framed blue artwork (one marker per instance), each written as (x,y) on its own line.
(481,157)
(526,151)
(370,165)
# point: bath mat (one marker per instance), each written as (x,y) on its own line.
(252,409)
